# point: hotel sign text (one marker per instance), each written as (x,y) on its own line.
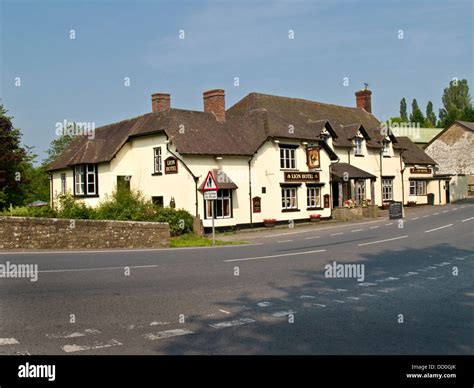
(422,170)
(301,176)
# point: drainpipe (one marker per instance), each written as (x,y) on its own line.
(250,190)
(51,195)
(330,186)
(381,175)
(402,170)
(190,172)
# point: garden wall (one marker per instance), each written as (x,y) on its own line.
(53,233)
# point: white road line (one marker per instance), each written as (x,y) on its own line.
(284,241)
(338,301)
(167,334)
(96,269)
(435,214)
(427,215)
(264,304)
(307,297)
(374,227)
(455,208)
(381,241)
(8,341)
(237,322)
(282,255)
(367,284)
(356,230)
(468,219)
(341,290)
(74,334)
(336,234)
(320,305)
(160,323)
(390,223)
(353,297)
(441,227)
(311,238)
(97,345)
(366,294)
(224,311)
(280,314)
(445,211)
(415,218)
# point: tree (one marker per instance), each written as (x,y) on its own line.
(13,163)
(456,103)
(56,148)
(416,114)
(403,110)
(430,116)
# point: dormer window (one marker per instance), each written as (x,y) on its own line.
(386,148)
(358,146)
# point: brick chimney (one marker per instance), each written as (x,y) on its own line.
(364,99)
(214,102)
(160,102)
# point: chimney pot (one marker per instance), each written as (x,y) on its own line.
(214,102)
(160,102)
(364,99)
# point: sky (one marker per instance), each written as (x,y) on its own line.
(409,49)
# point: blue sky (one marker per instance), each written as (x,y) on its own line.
(82,79)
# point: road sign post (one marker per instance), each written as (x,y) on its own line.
(210,194)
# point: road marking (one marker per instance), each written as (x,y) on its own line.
(237,322)
(73,335)
(455,208)
(320,305)
(338,301)
(444,263)
(380,241)
(282,255)
(96,269)
(441,227)
(280,314)
(390,223)
(356,230)
(353,297)
(97,345)
(468,219)
(387,290)
(284,241)
(445,211)
(427,215)
(224,311)
(167,334)
(409,274)
(8,341)
(311,238)
(366,294)
(415,218)
(340,290)
(264,304)
(307,297)
(460,258)
(374,227)
(366,284)
(336,234)
(435,214)
(160,323)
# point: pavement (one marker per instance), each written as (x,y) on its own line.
(272,296)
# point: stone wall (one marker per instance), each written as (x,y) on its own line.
(52,233)
(356,213)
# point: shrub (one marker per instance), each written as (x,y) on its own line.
(180,220)
(26,211)
(70,208)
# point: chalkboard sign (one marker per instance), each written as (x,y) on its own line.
(395,210)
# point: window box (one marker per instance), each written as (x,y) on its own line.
(315,217)
(269,222)
(411,203)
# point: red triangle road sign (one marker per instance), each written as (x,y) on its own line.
(210,183)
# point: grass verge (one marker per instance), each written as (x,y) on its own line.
(192,240)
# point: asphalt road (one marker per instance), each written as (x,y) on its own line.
(268,297)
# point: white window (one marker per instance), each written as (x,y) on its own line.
(287,158)
(358,146)
(79,180)
(63,183)
(90,178)
(418,188)
(288,198)
(359,191)
(387,189)
(386,149)
(157,160)
(222,205)
(313,198)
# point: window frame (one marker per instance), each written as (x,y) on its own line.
(82,178)
(219,203)
(63,183)
(387,189)
(358,143)
(285,199)
(359,197)
(386,149)
(287,158)
(157,161)
(316,197)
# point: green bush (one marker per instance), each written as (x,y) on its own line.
(26,211)
(180,220)
(70,208)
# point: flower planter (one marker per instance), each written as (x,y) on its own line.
(411,203)
(269,223)
(315,219)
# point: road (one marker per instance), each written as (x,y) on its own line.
(268,297)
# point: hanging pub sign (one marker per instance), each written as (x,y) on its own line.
(312,157)
(301,176)
(420,170)
(326,201)
(171,165)
(257,204)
